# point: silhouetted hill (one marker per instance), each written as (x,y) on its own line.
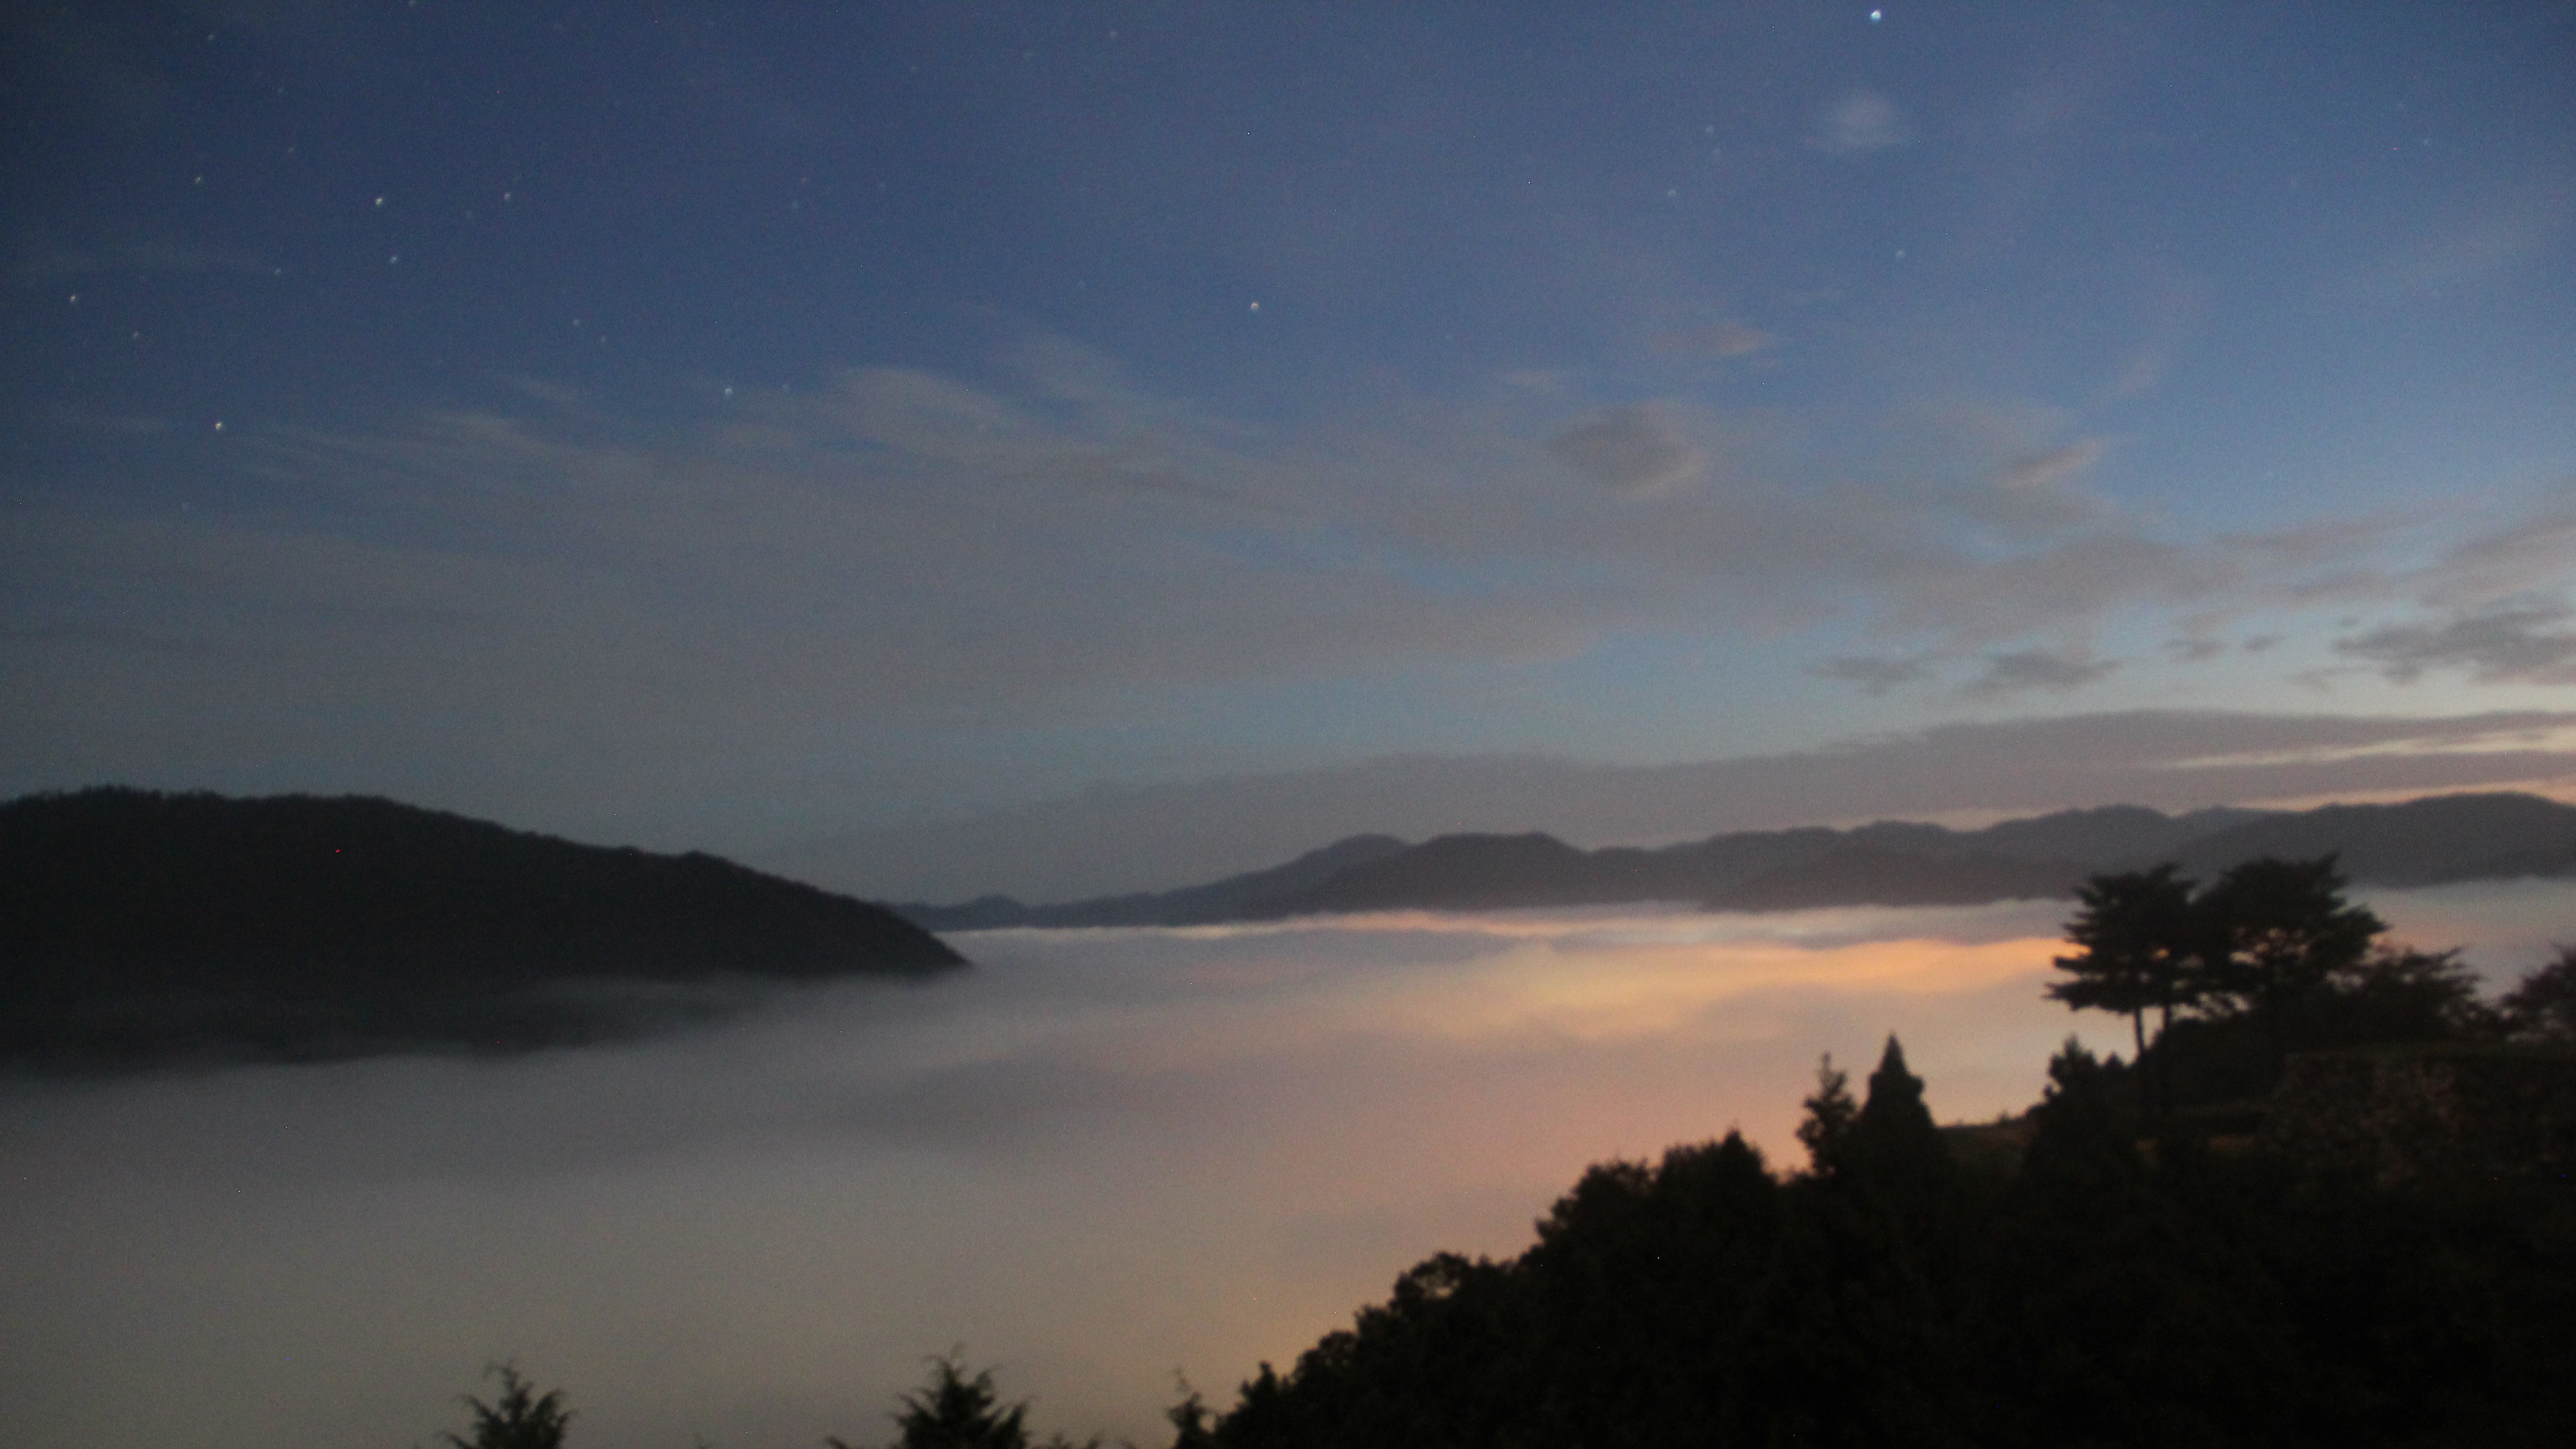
(1227,899)
(2420,842)
(2455,837)
(142,926)
(2107,833)
(1462,872)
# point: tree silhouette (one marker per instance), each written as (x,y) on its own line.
(955,1411)
(2280,932)
(1189,1419)
(1894,1136)
(520,1418)
(1827,1126)
(2544,1005)
(2405,995)
(2142,942)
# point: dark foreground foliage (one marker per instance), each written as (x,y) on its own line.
(138,927)
(2134,1268)
(2108,1292)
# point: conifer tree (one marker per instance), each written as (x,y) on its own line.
(957,1411)
(954,1411)
(1894,1136)
(1828,1123)
(520,1418)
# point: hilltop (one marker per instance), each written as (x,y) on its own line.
(140,927)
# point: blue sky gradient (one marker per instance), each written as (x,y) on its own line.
(730,426)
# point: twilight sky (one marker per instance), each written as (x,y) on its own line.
(755,426)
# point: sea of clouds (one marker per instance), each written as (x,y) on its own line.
(1100,1158)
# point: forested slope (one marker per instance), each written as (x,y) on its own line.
(141,926)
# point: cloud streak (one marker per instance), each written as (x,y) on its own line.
(1860,122)
(2529,644)
(1632,451)
(2024,670)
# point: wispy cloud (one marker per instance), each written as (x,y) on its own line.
(2534,553)
(2053,468)
(1633,451)
(2499,232)
(1726,338)
(2023,670)
(150,259)
(1874,674)
(1859,122)
(2526,644)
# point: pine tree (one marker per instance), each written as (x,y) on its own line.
(1830,1114)
(520,1418)
(953,1411)
(1894,1137)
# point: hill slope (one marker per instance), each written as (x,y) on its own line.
(142,926)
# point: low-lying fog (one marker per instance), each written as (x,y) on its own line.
(1099,1158)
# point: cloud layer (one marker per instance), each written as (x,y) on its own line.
(1098,1158)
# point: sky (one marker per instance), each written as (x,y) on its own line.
(1101,1157)
(830,434)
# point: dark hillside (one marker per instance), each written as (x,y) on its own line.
(1464,872)
(2109,833)
(2419,842)
(137,924)
(2081,1288)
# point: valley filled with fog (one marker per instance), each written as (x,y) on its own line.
(1097,1158)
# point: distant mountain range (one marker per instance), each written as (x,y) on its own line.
(138,927)
(2420,842)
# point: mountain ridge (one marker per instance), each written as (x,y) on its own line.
(2425,841)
